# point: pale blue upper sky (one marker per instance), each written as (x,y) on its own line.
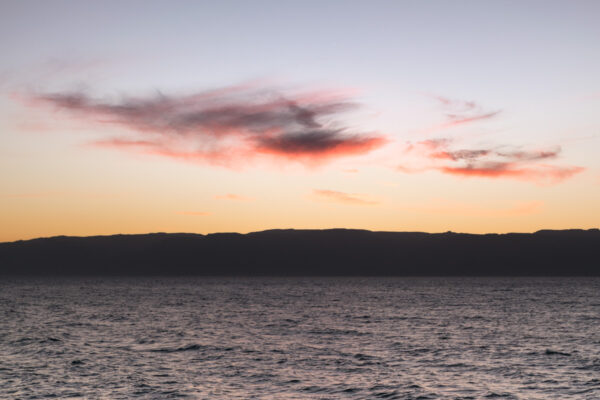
(512,55)
(466,46)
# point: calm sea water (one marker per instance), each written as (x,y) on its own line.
(304,338)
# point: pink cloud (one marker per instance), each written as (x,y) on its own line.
(489,162)
(548,173)
(460,112)
(319,144)
(227,125)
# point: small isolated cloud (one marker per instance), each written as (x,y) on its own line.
(490,162)
(231,196)
(344,198)
(547,173)
(460,112)
(458,119)
(194,213)
(224,126)
(351,170)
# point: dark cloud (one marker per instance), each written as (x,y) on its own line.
(460,154)
(471,155)
(530,155)
(206,113)
(215,124)
(318,143)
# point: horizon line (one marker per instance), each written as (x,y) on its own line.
(295,229)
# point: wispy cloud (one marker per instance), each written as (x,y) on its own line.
(344,198)
(447,155)
(465,119)
(235,125)
(548,173)
(459,112)
(490,162)
(226,125)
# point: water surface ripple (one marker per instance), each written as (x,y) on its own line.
(300,338)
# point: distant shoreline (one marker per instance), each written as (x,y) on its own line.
(331,252)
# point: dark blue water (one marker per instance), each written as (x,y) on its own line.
(304,338)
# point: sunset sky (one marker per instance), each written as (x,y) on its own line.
(223,116)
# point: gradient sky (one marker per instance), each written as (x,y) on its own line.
(141,116)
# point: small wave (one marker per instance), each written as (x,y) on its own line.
(190,347)
(340,332)
(494,395)
(594,365)
(455,365)
(558,353)
(363,357)
(313,389)
(49,340)
(387,395)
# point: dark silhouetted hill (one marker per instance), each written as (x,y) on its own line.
(308,252)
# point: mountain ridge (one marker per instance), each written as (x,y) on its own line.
(286,252)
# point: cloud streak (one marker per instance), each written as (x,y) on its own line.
(460,112)
(498,170)
(343,198)
(225,125)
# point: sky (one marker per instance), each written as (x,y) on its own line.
(236,116)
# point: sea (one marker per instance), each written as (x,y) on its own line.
(300,338)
